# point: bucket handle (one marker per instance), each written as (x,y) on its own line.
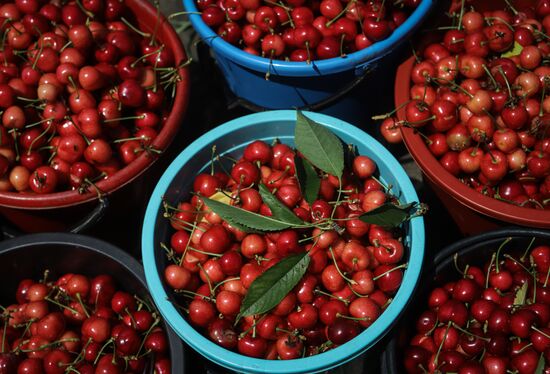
(89,220)
(93,217)
(239,101)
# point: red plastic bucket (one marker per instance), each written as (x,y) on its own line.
(473,212)
(49,212)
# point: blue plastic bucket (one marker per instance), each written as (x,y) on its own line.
(298,84)
(231,138)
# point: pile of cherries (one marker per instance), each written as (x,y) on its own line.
(355,268)
(77,324)
(494,319)
(304,30)
(82,92)
(479,97)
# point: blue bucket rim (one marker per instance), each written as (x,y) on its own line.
(318,67)
(320,362)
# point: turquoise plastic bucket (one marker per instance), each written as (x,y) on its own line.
(298,84)
(231,138)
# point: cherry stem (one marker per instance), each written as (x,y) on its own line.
(287,11)
(123,119)
(155,52)
(522,258)
(461,15)
(55,302)
(135,29)
(500,20)
(84,10)
(37,56)
(339,298)
(170,254)
(455,261)
(436,358)
(506,255)
(493,256)
(73,84)
(38,137)
(268,74)
(469,333)
(338,198)
(402,266)
(379,15)
(109,341)
(311,237)
(498,253)
(547,278)
(501,72)
(541,111)
(190,236)
(225,281)
(79,299)
(540,332)
(388,187)
(453,84)
(340,315)
(205,253)
(192,294)
(153,325)
(52,344)
(242,334)
(212,153)
(206,276)
(287,8)
(342,39)
(511,7)
(4,334)
(173,15)
(490,76)
(329,23)
(350,281)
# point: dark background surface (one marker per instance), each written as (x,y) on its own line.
(211,105)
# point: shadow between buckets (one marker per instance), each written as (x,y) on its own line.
(474,250)
(29,255)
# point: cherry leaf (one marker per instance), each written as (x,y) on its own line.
(307,178)
(521,294)
(540,365)
(389,215)
(278,209)
(516,50)
(319,145)
(245,220)
(274,284)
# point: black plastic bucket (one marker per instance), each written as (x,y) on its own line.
(474,250)
(29,255)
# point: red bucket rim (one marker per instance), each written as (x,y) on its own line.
(431,167)
(169,37)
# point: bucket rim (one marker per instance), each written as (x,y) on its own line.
(317,363)
(448,183)
(359,59)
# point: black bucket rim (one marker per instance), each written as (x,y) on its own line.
(110,251)
(390,358)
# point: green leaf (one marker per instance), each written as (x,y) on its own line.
(516,50)
(521,294)
(245,220)
(278,209)
(272,286)
(307,178)
(319,145)
(388,214)
(540,365)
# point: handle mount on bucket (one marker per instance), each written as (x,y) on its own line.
(361,73)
